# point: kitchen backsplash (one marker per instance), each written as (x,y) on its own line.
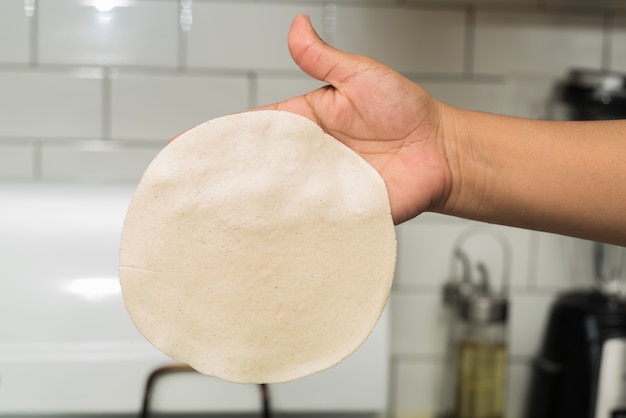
(91,96)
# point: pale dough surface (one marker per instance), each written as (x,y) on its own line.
(257,249)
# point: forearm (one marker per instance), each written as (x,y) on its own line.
(561,177)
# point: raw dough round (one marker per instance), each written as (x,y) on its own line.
(258,249)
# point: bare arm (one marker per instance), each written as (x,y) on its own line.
(562,177)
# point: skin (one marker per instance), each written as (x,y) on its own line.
(562,177)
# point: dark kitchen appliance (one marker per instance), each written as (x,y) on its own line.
(580,371)
(589,95)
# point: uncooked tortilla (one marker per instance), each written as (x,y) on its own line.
(258,249)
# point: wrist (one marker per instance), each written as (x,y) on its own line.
(466,164)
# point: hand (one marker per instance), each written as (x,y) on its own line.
(387,119)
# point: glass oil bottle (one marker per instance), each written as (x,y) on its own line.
(481,353)
(475,375)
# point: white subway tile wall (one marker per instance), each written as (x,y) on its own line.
(17,160)
(94,161)
(15,32)
(91,96)
(419,387)
(617,55)
(246,36)
(486,95)
(272,88)
(139,102)
(70,33)
(409,40)
(51,104)
(518,43)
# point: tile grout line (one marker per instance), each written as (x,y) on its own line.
(181,56)
(33,33)
(469,41)
(253,89)
(329,18)
(106,118)
(608,30)
(533,256)
(392,386)
(33,61)
(37,160)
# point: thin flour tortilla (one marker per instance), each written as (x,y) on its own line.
(257,249)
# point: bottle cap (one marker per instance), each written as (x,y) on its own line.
(483,309)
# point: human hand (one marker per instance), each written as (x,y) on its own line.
(387,119)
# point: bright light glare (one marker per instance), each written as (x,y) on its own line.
(94,288)
(105,5)
(105,8)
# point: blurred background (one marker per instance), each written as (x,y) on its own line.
(90,91)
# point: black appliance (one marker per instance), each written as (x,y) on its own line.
(589,95)
(581,369)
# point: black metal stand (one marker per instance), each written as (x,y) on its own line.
(180,368)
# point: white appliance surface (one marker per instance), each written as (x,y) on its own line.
(611,399)
(67,344)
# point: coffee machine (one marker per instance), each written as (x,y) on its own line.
(580,371)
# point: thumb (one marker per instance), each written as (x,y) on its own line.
(314,56)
